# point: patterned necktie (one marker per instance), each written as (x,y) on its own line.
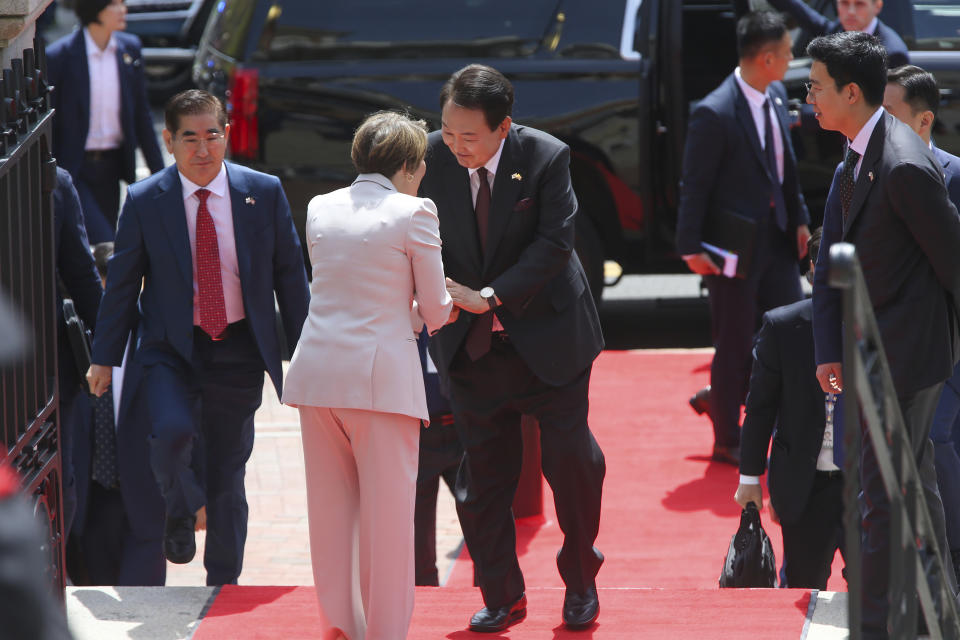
(477,342)
(104,464)
(770,153)
(213,311)
(847,182)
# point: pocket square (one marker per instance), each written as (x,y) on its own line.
(523,205)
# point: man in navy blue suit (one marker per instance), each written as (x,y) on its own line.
(853,15)
(76,270)
(913,97)
(739,158)
(895,210)
(212,243)
(96,132)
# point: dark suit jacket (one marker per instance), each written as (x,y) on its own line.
(951,173)
(784,393)
(67,70)
(547,309)
(75,268)
(724,166)
(152,241)
(816,24)
(906,232)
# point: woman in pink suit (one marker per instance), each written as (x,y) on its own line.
(355,377)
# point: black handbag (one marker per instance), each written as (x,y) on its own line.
(80,340)
(749,562)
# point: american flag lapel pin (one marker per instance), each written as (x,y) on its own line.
(251,201)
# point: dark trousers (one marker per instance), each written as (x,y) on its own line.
(440,455)
(216,396)
(736,307)
(488,397)
(112,554)
(98,185)
(945,434)
(810,542)
(918,409)
(74,428)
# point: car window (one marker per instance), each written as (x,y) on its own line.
(228,25)
(936,24)
(403,29)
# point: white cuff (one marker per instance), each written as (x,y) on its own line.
(749,479)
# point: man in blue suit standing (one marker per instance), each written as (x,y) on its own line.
(96,132)
(853,15)
(739,159)
(912,96)
(212,243)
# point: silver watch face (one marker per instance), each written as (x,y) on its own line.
(486,293)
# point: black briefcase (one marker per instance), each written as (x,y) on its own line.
(80,339)
(749,562)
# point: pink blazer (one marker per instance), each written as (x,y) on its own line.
(374,252)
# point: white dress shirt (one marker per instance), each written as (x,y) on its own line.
(221,210)
(491,167)
(116,384)
(862,139)
(105,130)
(755,100)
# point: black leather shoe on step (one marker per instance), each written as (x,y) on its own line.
(700,401)
(179,544)
(726,455)
(493,620)
(580,610)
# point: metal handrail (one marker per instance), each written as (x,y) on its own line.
(913,541)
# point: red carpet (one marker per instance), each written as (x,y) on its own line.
(668,514)
(270,613)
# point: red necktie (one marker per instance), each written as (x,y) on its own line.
(213,312)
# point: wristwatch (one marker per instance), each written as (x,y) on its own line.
(487,294)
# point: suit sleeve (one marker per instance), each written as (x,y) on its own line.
(423,249)
(549,253)
(809,20)
(146,134)
(827,310)
(763,400)
(289,272)
(919,197)
(702,156)
(75,263)
(118,309)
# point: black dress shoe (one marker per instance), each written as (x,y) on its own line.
(727,455)
(580,610)
(179,544)
(493,620)
(700,401)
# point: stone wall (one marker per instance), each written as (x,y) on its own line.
(17,18)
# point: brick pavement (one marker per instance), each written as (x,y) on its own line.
(278,544)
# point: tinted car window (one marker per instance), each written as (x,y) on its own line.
(937,24)
(228,26)
(402,29)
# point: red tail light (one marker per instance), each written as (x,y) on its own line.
(242,110)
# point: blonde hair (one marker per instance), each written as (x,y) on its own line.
(387,142)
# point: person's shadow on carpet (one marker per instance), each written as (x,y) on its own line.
(712,492)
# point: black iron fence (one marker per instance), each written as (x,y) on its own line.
(916,571)
(28,385)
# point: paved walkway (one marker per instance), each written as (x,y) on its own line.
(278,543)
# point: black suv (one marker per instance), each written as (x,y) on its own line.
(614,79)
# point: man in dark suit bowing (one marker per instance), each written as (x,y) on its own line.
(102,114)
(739,159)
(786,402)
(527,345)
(852,15)
(212,243)
(913,97)
(896,212)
